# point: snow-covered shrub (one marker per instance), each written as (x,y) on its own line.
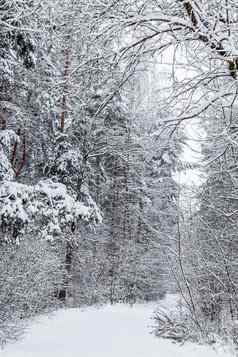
(176,325)
(180,324)
(29,275)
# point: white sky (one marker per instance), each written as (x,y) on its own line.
(193,129)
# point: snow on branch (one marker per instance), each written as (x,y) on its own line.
(47,207)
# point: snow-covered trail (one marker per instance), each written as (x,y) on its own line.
(112,331)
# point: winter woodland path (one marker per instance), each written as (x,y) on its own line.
(112,331)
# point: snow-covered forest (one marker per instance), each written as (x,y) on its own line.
(118,162)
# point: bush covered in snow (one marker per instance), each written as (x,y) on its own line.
(29,276)
(179,324)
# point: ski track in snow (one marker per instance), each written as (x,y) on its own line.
(110,331)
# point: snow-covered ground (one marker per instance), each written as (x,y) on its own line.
(111,331)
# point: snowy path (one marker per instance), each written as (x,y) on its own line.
(113,331)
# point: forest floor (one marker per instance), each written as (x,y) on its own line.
(110,331)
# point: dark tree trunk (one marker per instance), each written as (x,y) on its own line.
(62,293)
